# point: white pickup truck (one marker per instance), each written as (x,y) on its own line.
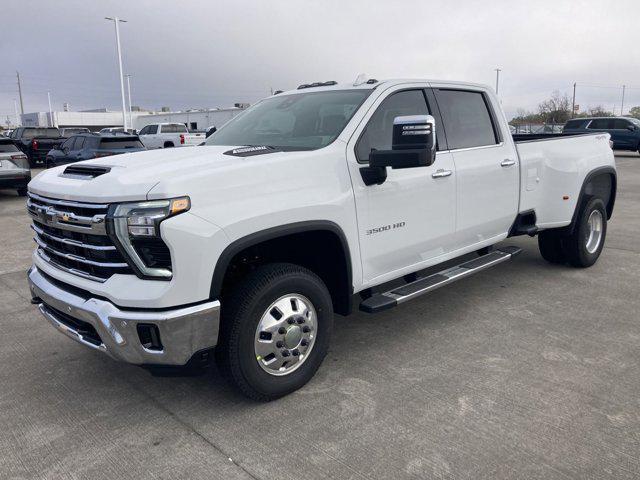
(166,135)
(245,247)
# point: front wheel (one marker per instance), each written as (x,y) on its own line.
(276,330)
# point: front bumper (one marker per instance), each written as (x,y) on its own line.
(102,326)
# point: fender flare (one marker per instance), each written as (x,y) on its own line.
(608,170)
(272,233)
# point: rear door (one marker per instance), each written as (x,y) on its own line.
(405,223)
(486,164)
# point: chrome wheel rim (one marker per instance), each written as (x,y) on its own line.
(595,231)
(285,334)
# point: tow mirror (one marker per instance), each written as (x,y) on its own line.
(413,145)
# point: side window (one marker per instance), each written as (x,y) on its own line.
(378,133)
(68,144)
(600,124)
(620,124)
(153,129)
(467,119)
(144,131)
(79,145)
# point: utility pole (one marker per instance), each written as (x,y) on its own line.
(624,87)
(116,22)
(497,79)
(573,103)
(15,107)
(129,91)
(50,110)
(20,93)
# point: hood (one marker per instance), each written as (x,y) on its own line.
(132,176)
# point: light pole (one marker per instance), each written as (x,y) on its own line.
(573,103)
(497,79)
(116,21)
(50,111)
(624,87)
(129,93)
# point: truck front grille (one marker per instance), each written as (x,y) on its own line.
(72,237)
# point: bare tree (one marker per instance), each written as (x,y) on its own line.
(556,109)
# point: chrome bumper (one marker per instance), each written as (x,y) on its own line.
(183,331)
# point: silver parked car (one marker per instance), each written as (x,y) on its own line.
(14,167)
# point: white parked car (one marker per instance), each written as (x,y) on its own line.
(245,247)
(165,135)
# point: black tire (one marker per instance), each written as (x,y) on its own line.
(551,248)
(241,314)
(22,192)
(575,245)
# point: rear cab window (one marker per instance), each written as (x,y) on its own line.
(40,132)
(116,143)
(8,147)
(468,119)
(174,128)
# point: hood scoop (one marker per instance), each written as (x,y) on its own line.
(85,172)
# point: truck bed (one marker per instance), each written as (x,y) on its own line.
(553,168)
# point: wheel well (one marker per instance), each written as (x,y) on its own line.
(168,144)
(323,251)
(603,186)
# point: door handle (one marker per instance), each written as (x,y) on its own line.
(508,163)
(440,173)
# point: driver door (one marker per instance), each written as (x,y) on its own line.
(407,222)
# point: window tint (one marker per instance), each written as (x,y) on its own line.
(575,124)
(79,145)
(144,131)
(620,124)
(118,143)
(6,147)
(174,128)
(378,134)
(601,124)
(69,143)
(40,132)
(466,118)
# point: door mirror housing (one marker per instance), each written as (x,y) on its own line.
(631,128)
(413,145)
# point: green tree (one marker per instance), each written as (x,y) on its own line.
(635,112)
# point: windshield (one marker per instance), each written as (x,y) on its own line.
(304,121)
(40,132)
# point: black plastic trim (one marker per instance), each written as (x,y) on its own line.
(608,170)
(272,233)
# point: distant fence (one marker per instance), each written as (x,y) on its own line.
(535,128)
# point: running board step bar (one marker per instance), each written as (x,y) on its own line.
(384,301)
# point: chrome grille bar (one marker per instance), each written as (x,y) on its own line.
(41,233)
(77,258)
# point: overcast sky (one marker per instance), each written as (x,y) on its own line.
(191,54)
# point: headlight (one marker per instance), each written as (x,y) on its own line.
(135,229)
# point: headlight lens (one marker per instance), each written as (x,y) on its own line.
(135,229)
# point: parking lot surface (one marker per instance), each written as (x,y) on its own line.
(526,370)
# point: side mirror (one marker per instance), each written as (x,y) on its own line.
(413,145)
(631,128)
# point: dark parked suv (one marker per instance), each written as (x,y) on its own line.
(92,145)
(625,132)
